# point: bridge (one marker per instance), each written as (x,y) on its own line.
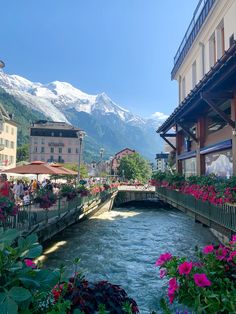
(129,193)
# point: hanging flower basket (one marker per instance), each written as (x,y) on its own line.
(7,208)
(45,198)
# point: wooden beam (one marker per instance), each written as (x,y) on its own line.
(188,132)
(168,142)
(218,95)
(170,135)
(221,113)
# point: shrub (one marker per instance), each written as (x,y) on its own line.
(22,284)
(7,208)
(45,198)
(90,297)
(68,191)
(206,285)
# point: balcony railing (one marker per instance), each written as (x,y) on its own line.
(199,17)
(224,216)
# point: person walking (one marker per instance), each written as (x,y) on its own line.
(4,186)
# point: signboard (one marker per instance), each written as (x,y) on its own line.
(56,144)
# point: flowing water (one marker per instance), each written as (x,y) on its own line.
(122,245)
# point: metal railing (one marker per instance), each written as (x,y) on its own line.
(30,216)
(223,215)
(199,17)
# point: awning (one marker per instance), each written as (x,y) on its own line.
(187,155)
(215,147)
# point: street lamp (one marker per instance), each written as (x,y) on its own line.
(81,134)
(101,152)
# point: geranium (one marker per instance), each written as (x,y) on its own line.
(208,249)
(185,268)
(201,280)
(163,259)
(173,286)
(222,253)
(7,208)
(29,263)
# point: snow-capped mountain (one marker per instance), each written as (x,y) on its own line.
(104,120)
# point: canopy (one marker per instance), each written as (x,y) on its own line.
(67,171)
(37,167)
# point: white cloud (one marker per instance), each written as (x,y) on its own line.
(159,116)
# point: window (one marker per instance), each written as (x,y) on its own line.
(231,40)
(6,143)
(12,144)
(35,149)
(220,31)
(42,149)
(60,134)
(214,121)
(194,74)
(35,141)
(202,48)
(69,150)
(60,150)
(11,159)
(183,89)
(7,128)
(12,131)
(42,141)
(76,150)
(59,159)
(51,158)
(52,134)
(52,149)
(212,50)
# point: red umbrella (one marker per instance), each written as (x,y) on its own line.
(67,171)
(36,167)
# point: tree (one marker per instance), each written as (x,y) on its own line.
(74,167)
(22,153)
(134,167)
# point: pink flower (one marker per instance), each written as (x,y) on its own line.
(201,280)
(231,257)
(221,253)
(185,268)
(208,249)
(234,238)
(29,263)
(163,259)
(163,273)
(173,286)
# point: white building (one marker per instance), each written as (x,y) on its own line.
(205,69)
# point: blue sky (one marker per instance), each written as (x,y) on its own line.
(122,47)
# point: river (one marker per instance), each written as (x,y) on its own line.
(122,245)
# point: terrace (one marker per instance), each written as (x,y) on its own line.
(199,17)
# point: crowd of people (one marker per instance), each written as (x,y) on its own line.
(22,192)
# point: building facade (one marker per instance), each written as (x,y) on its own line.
(8,140)
(162,161)
(54,142)
(115,162)
(205,69)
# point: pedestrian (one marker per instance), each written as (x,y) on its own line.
(4,186)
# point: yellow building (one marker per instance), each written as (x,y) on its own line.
(8,140)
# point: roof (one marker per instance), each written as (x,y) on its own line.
(224,68)
(131,150)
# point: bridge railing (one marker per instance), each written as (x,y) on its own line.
(224,215)
(31,215)
(146,188)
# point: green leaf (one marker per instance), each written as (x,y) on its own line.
(19,294)
(8,236)
(3,296)
(9,306)
(33,252)
(47,278)
(29,282)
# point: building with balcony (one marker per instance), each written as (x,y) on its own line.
(205,69)
(8,140)
(54,142)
